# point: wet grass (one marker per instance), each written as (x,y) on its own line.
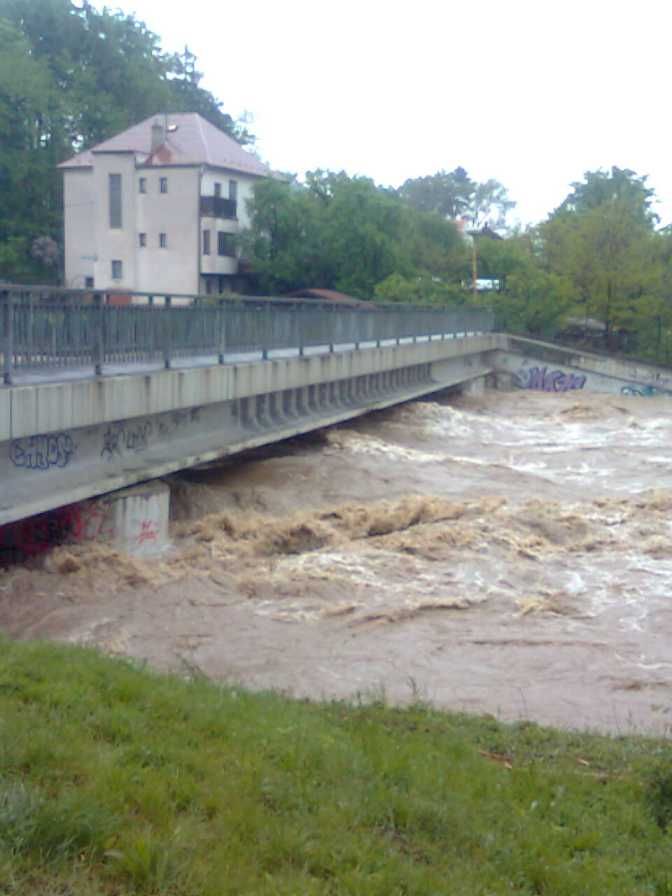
(115,780)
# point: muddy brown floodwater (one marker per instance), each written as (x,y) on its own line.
(510,554)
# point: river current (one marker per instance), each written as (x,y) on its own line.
(508,554)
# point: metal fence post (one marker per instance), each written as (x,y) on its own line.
(265,330)
(221,331)
(167,334)
(8,342)
(98,334)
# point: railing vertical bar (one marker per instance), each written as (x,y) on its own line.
(167,334)
(8,340)
(98,347)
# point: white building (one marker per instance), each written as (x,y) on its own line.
(154,209)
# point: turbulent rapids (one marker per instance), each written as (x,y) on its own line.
(509,554)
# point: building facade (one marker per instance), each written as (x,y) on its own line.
(156,208)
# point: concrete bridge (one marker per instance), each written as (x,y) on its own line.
(100,398)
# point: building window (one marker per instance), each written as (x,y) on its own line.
(233,190)
(142,240)
(163,184)
(163,241)
(117,269)
(115,200)
(142,185)
(224,243)
(206,242)
(88,282)
(208,286)
(218,190)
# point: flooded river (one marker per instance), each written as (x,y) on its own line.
(509,554)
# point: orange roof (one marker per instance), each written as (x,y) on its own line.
(327,295)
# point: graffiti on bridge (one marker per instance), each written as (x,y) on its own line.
(546,380)
(74,523)
(43,452)
(119,438)
(128,436)
(642,391)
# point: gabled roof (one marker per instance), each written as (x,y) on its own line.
(329,295)
(190,140)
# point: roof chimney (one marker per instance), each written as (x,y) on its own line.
(158,135)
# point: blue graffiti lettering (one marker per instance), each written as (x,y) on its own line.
(546,380)
(643,391)
(43,452)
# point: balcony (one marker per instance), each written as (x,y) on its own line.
(218,207)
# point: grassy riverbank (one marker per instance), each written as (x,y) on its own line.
(114,780)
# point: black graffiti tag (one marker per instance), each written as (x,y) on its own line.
(119,438)
(43,452)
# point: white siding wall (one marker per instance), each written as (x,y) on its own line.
(175,269)
(114,243)
(80,238)
(175,213)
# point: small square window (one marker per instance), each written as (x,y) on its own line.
(88,282)
(142,185)
(163,184)
(206,242)
(163,241)
(218,190)
(117,269)
(142,240)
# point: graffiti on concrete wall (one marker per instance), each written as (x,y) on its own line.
(43,452)
(123,437)
(643,391)
(74,523)
(135,436)
(177,420)
(148,532)
(545,380)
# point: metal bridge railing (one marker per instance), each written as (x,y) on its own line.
(48,329)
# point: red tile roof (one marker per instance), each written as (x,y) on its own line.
(329,295)
(190,140)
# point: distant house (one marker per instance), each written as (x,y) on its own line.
(329,295)
(156,208)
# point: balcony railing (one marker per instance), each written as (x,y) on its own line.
(218,207)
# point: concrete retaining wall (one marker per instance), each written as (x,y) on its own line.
(531,364)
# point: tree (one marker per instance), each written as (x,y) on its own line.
(347,234)
(455,195)
(618,185)
(602,238)
(449,194)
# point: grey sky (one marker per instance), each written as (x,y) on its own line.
(530,92)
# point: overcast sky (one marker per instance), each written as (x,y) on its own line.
(530,92)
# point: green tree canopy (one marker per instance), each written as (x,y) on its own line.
(602,239)
(453,195)
(344,233)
